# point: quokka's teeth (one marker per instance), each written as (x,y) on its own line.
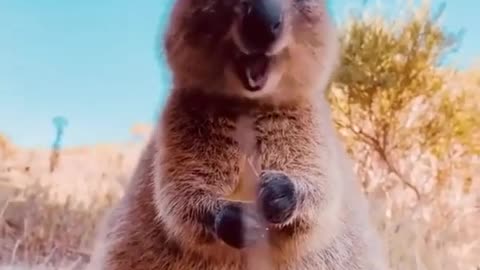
(251,81)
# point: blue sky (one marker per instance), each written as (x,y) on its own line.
(94,62)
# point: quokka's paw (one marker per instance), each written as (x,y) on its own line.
(277,197)
(239,225)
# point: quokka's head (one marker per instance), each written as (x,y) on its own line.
(251,48)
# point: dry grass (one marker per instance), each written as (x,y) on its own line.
(49,220)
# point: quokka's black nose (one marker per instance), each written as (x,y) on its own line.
(261,24)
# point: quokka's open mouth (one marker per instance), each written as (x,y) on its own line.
(252,69)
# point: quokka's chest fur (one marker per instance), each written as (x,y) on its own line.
(174,193)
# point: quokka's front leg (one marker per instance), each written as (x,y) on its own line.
(196,173)
(293,187)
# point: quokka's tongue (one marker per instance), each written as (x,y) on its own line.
(253,71)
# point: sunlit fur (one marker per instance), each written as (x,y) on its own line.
(191,162)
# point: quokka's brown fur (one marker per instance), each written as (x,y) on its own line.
(168,217)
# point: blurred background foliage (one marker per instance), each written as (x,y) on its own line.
(394,96)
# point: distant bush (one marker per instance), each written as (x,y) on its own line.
(407,117)
(6,147)
(393,99)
